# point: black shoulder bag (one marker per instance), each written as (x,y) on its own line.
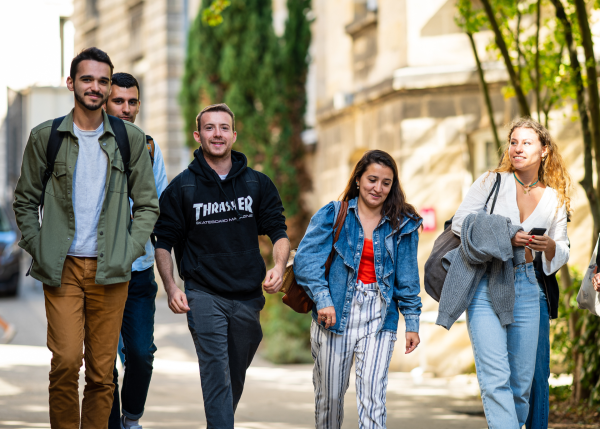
(435,274)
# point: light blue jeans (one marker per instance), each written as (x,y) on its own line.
(505,355)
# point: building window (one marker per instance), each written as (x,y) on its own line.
(363,31)
(363,7)
(67,45)
(92,8)
(136,20)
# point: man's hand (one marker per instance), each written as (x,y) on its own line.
(177,300)
(273,280)
(412,341)
(327,315)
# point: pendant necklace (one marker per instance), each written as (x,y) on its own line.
(526,188)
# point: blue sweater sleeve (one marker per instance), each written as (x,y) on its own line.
(309,262)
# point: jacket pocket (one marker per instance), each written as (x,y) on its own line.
(134,250)
(56,186)
(118,178)
(237,272)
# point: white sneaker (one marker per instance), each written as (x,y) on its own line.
(123,426)
(9,334)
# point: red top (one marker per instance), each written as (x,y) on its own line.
(366,270)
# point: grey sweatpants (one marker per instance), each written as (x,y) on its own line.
(226,334)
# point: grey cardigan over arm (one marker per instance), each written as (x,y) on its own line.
(485,247)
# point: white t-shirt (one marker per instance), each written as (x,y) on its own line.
(545,214)
(223,176)
(89,180)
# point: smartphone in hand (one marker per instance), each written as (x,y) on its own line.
(537,231)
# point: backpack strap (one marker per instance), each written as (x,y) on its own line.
(151,147)
(118,127)
(188,185)
(54,144)
(253,183)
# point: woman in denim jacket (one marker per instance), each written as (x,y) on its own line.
(374,275)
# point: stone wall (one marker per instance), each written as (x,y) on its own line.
(146,39)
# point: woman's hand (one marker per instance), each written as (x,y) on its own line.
(327,315)
(412,341)
(542,243)
(520,239)
(596,280)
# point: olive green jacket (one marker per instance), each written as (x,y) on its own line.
(120,241)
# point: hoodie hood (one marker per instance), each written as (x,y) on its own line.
(200,167)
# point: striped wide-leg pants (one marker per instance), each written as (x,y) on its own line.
(333,355)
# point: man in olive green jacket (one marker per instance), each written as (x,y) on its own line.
(84,248)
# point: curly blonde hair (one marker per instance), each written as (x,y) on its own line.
(552,172)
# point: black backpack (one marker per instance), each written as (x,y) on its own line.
(55,142)
(188,184)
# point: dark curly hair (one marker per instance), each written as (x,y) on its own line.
(395,205)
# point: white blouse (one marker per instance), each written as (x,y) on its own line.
(545,214)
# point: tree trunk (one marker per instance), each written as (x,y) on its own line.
(593,96)
(537,62)
(514,80)
(574,333)
(486,92)
(587,182)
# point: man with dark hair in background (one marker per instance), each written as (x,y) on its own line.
(84,248)
(213,213)
(137,329)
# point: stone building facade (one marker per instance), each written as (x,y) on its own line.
(146,38)
(400,76)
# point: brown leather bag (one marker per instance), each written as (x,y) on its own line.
(295,296)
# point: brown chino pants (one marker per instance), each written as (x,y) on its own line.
(82,313)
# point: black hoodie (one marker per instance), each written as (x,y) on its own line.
(220,225)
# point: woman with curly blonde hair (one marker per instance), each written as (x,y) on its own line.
(534,193)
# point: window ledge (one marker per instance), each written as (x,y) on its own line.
(361,23)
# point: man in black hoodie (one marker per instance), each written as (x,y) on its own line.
(212,214)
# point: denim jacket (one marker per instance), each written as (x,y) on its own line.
(396,266)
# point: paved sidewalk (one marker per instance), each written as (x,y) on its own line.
(275,397)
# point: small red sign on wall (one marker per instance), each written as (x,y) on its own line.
(429,223)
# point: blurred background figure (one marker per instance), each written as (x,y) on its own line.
(9,331)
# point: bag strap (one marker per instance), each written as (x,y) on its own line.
(151,147)
(253,183)
(54,144)
(118,127)
(495,190)
(337,227)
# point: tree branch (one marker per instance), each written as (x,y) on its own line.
(486,92)
(587,182)
(537,57)
(521,99)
